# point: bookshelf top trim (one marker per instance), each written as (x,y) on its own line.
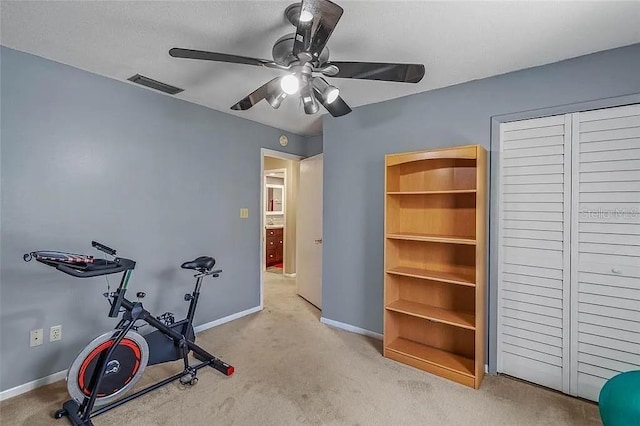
(464,152)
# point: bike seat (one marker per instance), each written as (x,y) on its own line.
(203,262)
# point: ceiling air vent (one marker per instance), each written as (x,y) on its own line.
(156,85)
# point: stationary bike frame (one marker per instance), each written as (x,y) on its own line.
(81,413)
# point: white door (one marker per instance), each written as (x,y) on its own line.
(606,247)
(533,288)
(309,231)
(569,268)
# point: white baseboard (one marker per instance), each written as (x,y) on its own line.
(290,275)
(226,319)
(9,393)
(20,389)
(351,328)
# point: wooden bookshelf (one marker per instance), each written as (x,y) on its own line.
(445,316)
(426,274)
(415,236)
(438,357)
(435,256)
(451,191)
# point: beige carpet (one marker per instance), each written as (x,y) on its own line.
(293,370)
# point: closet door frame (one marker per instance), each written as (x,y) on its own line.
(495,201)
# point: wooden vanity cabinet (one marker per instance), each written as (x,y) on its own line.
(274,246)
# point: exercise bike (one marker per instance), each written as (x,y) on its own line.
(109,366)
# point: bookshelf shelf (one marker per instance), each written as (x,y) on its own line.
(432,313)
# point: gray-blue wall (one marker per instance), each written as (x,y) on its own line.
(85,157)
(355,145)
(314,145)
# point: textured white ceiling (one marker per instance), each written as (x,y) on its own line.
(457,42)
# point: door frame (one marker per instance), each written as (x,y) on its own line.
(265,152)
(495,201)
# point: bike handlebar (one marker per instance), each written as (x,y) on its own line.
(89,273)
(81,266)
(103,248)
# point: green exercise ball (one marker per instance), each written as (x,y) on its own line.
(620,400)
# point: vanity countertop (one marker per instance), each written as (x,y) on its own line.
(274,226)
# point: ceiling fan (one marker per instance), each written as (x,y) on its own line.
(305,57)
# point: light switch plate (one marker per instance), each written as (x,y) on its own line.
(244,213)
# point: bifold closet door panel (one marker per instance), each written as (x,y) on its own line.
(605,289)
(533,328)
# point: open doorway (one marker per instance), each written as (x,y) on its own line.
(277,197)
(278,201)
(291,228)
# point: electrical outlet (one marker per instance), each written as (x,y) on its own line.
(244,213)
(55,333)
(36,337)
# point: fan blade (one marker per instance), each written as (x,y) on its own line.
(403,73)
(270,88)
(218,57)
(337,108)
(312,36)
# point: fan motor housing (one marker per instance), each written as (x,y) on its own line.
(283,51)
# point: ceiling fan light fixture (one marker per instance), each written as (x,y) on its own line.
(308,100)
(275,100)
(290,84)
(310,105)
(306,16)
(330,94)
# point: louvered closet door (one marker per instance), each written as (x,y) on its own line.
(533,328)
(605,288)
